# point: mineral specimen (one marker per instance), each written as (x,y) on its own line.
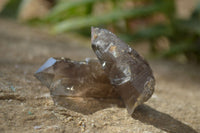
(119,76)
(126,69)
(80,86)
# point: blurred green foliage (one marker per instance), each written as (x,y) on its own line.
(11,9)
(183,34)
(114,15)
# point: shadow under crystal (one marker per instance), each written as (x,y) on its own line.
(160,120)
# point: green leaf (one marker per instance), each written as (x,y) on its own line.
(11,9)
(189,26)
(115,15)
(68,7)
(181,47)
(196,12)
(153,32)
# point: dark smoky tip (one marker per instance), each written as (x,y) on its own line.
(94,33)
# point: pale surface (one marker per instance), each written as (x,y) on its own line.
(174,107)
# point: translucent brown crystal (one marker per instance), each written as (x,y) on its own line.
(119,76)
(81,86)
(126,69)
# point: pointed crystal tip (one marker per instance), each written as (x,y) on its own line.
(50,62)
(44,74)
(126,69)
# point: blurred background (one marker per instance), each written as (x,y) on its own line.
(165,32)
(168,29)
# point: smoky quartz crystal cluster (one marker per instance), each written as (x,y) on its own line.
(120,77)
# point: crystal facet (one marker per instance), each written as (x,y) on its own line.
(126,69)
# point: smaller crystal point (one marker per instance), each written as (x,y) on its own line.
(81,86)
(44,73)
(47,64)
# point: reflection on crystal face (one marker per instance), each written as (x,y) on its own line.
(108,47)
(104,65)
(47,64)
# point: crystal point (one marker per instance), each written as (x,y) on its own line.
(126,69)
(44,73)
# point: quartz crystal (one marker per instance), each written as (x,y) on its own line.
(127,70)
(81,86)
(119,76)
